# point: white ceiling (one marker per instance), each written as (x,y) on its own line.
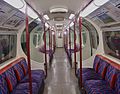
(43,6)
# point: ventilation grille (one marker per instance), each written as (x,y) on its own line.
(59,18)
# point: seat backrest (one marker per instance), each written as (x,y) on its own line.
(3,86)
(96,63)
(24,65)
(102,68)
(117,84)
(10,78)
(111,76)
(18,71)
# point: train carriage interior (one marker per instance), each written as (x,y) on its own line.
(59,46)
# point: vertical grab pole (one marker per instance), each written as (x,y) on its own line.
(75,46)
(69,40)
(70,46)
(66,39)
(49,31)
(28,51)
(63,39)
(51,40)
(54,41)
(45,52)
(49,44)
(80,32)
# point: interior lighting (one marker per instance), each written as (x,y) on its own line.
(71,24)
(46,17)
(58,9)
(92,7)
(53,33)
(71,16)
(46,24)
(21,5)
(65,33)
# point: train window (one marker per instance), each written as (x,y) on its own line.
(72,37)
(7,47)
(37,33)
(34,27)
(35,39)
(83,36)
(93,35)
(112,43)
(23,42)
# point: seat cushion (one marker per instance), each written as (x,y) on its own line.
(91,76)
(10,79)
(3,86)
(38,72)
(19,72)
(35,78)
(98,87)
(23,88)
(84,70)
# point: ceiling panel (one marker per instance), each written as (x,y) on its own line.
(43,6)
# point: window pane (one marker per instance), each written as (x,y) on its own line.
(7,47)
(112,43)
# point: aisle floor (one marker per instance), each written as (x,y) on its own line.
(61,78)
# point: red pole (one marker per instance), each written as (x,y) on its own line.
(75,47)
(64,39)
(54,41)
(69,40)
(49,46)
(80,31)
(45,51)
(70,46)
(49,39)
(28,52)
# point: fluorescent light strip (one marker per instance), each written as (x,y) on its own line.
(100,2)
(46,17)
(19,5)
(65,33)
(15,3)
(38,19)
(71,16)
(59,24)
(46,24)
(92,7)
(71,24)
(59,9)
(53,33)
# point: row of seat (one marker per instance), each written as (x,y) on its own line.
(14,79)
(103,78)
